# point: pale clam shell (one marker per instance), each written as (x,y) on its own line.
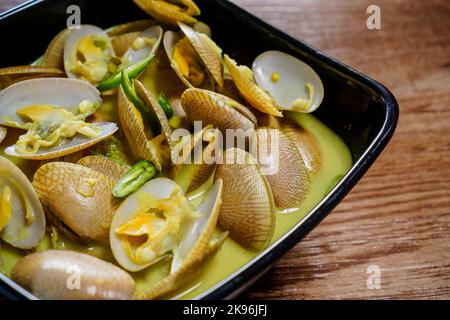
(294,75)
(64,93)
(58,185)
(48,275)
(72,39)
(132,56)
(248,209)
(73,145)
(18,232)
(196,248)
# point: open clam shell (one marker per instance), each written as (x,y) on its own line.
(79,196)
(70,49)
(289,180)
(293,75)
(207,52)
(71,146)
(171,39)
(248,209)
(170,12)
(11,75)
(256,96)
(133,55)
(123,42)
(217,110)
(25,226)
(54,55)
(105,166)
(47,275)
(196,247)
(64,93)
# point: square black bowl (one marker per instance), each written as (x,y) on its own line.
(359,109)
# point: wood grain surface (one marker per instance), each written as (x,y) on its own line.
(398,217)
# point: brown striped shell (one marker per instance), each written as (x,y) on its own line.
(248,209)
(134,26)
(11,75)
(213,108)
(70,275)
(170,13)
(105,166)
(286,173)
(54,55)
(258,98)
(79,196)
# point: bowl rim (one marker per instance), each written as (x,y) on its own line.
(239,280)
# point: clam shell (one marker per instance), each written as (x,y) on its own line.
(307,145)
(56,275)
(134,26)
(170,15)
(123,42)
(216,109)
(58,185)
(209,56)
(257,97)
(3,132)
(170,40)
(160,188)
(248,209)
(73,145)
(290,182)
(54,55)
(135,132)
(132,56)
(294,75)
(65,93)
(18,232)
(71,41)
(196,248)
(105,166)
(11,75)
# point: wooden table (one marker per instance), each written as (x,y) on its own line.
(398,217)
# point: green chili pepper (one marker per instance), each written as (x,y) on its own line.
(133,71)
(165,105)
(135,178)
(128,88)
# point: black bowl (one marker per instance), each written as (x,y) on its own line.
(359,109)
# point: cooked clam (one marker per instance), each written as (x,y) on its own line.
(256,96)
(54,55)
(11,75)
(70,275)
(89,55)
(22,220)
(291,82)
(130,27)
(286,171)
(194,58)
(170,12)
(53,113)
(145,44)
(248,209)
(216,109)
(105,166)
(157,220)
(79,196)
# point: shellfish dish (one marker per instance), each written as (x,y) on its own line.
(145,161)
